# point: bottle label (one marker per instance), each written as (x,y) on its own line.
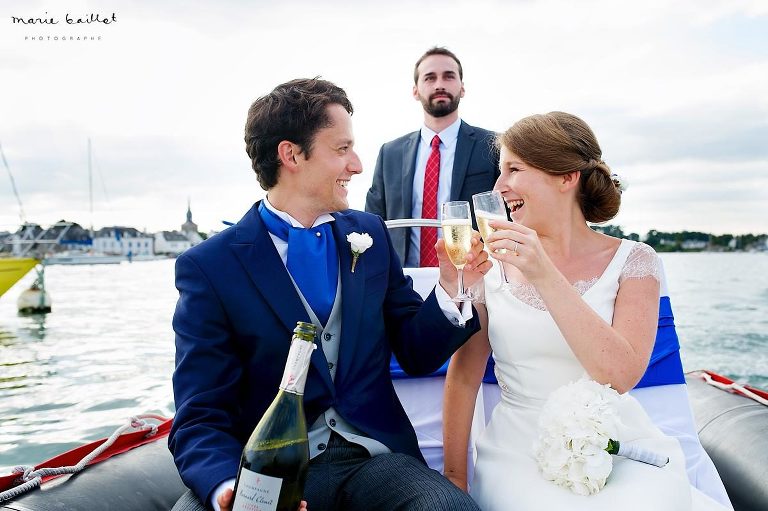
(256,492)
(297,366)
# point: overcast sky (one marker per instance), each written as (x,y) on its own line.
(677,93)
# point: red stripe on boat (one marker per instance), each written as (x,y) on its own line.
(124,442)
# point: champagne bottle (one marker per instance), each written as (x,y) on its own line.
(273,467)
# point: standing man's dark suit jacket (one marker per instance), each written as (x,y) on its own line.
(233,322)
(475,169)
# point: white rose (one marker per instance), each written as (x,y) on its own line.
(360,242)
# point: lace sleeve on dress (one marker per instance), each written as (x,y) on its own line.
(641,262)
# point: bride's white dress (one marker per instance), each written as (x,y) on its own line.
(533,359)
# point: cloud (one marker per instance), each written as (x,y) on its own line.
(696,195)
(735,134)
(670,90)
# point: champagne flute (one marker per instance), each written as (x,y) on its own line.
(490,206)
(457,234)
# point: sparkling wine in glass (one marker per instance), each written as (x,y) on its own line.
(490,206)
(457,234)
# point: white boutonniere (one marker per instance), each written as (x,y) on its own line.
(359,243)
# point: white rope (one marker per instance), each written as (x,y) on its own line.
(735,387)
(32,478)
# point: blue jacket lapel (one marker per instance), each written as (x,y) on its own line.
(464,145)
(258,255)
(352,289)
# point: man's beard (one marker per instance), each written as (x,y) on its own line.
(443,108)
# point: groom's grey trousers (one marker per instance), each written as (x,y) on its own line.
(346,478)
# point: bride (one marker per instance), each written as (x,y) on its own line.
(579,302)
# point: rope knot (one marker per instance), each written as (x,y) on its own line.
(142,424)
(29,478)
(26,473)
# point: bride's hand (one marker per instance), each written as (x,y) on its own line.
(522,247)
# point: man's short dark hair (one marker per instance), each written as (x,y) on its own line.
(437,50)
(294,111)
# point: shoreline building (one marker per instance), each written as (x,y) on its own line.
(32,239)
(127,241)
(189,228)
(171,243)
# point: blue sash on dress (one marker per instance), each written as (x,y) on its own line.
(665,367)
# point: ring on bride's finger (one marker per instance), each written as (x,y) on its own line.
(515,249)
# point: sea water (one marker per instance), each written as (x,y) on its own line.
(720,303)
(106,350)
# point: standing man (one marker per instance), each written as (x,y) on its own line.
(287,260)
(446,160)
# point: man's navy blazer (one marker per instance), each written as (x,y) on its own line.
(234,319)
(475,169)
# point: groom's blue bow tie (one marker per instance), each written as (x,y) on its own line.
(313,261)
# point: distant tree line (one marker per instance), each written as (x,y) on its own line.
(689,240)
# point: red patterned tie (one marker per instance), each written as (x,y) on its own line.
(428,256)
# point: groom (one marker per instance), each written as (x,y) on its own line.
(288,259)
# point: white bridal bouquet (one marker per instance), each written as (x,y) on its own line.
(577,436)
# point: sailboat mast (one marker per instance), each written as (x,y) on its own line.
(90,185)
(22,216)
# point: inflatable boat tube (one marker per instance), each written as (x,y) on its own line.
(733,429)
(143,478)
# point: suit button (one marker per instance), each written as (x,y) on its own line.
(330,366)
(327,336)
(321,447)
(332,423)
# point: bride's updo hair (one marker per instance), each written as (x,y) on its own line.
(559,143)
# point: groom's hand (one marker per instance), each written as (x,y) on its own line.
(477,265)
(225,501)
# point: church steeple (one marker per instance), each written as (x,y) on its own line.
(189,227)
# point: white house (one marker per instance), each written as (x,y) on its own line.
(171,243)
(694,244)
(125,241)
